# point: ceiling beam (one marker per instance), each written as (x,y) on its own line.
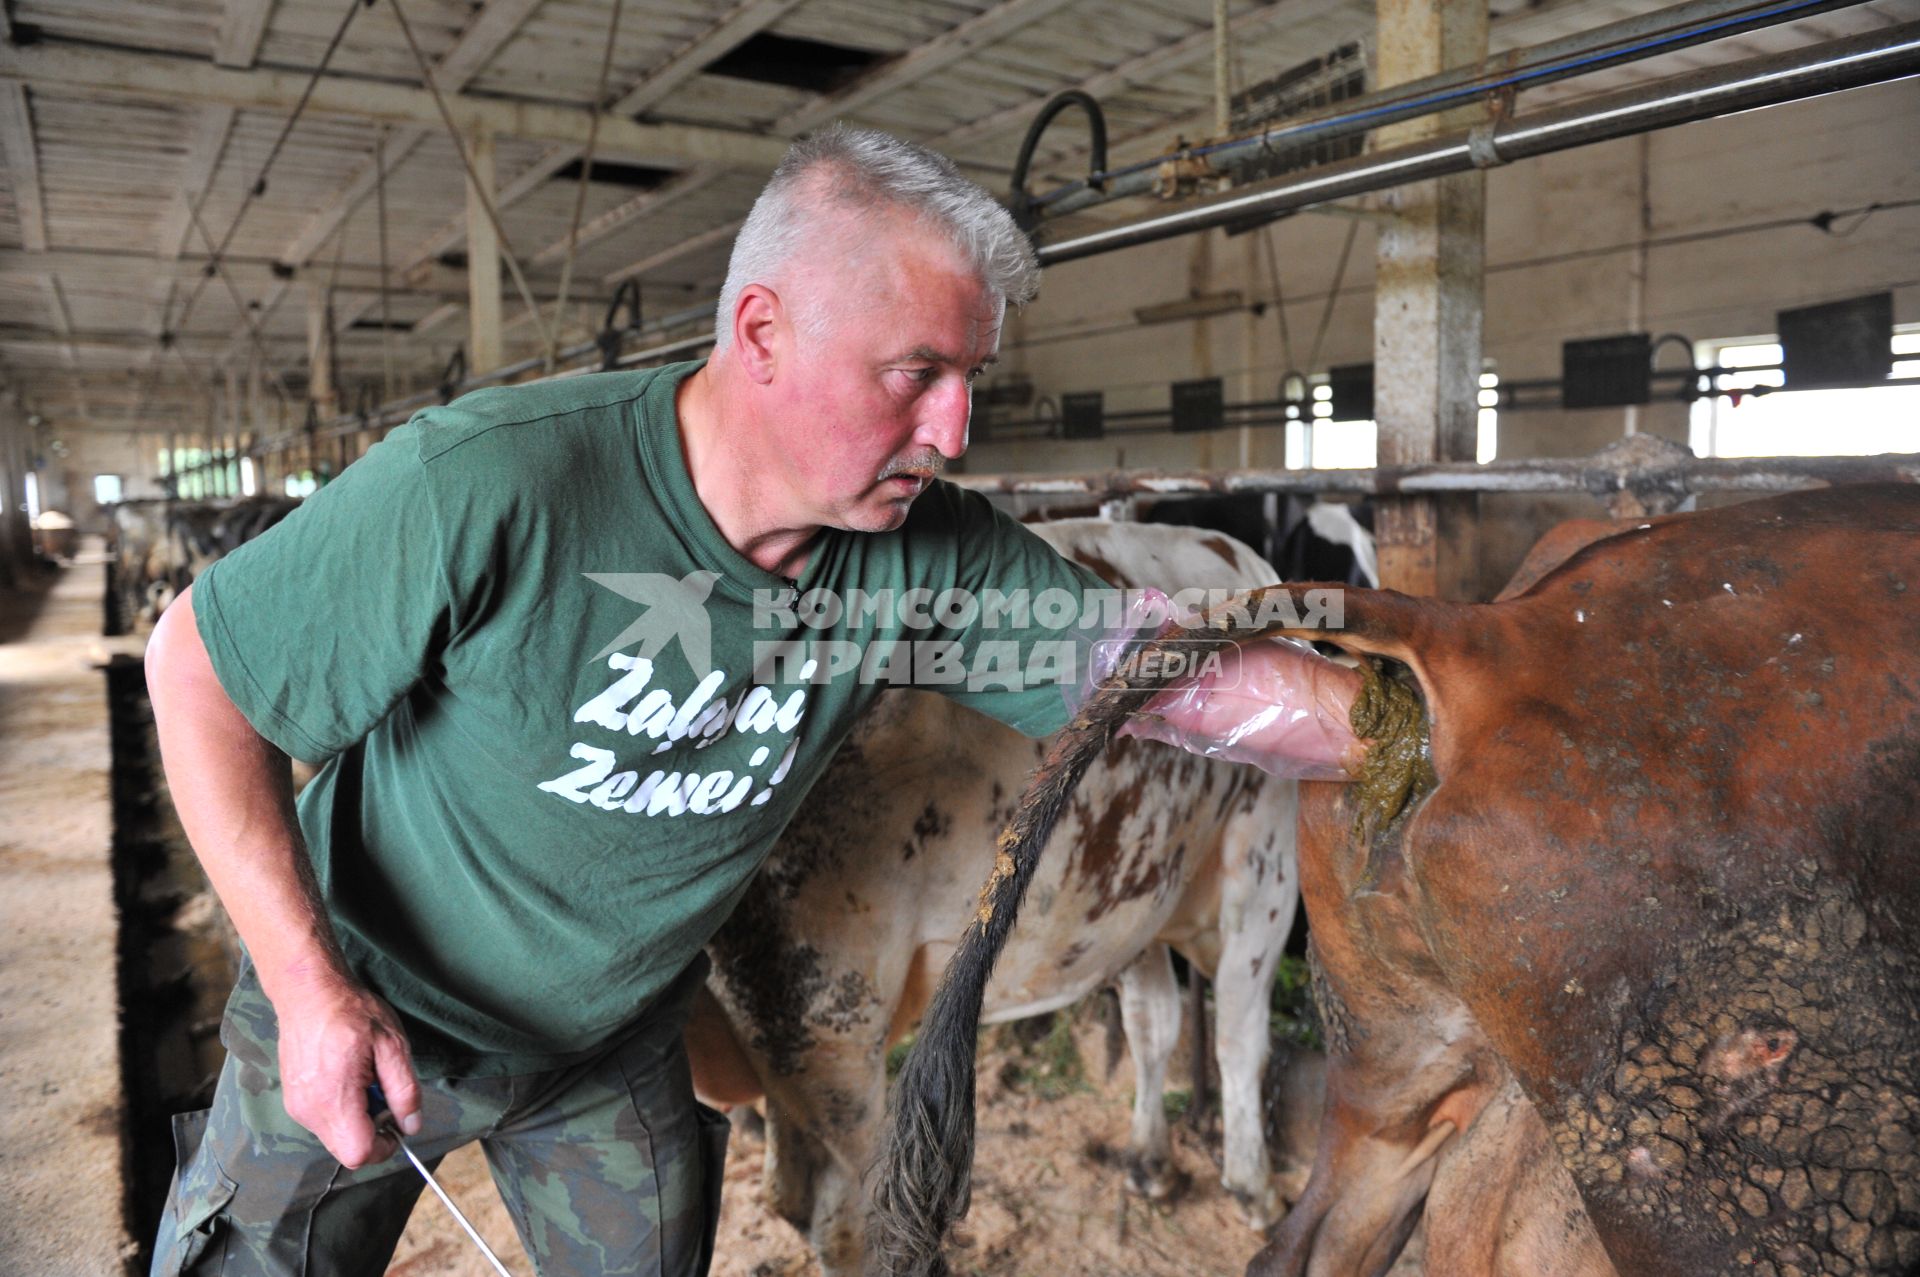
(62,317)
(478,45)
(132,340)
(203,157)
(1169,57)
(705,239)
(175,79)
(591,232)
(23,165)
(242,28)
(732,29)
(132,273)
(937,54)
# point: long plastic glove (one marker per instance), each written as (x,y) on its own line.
(1282,707)
(1275,703)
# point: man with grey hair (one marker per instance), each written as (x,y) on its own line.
(844,170)
(566,700)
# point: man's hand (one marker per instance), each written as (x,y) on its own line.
(336,1038)
(234,795)
(1281,707)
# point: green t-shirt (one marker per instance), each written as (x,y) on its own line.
(541,797)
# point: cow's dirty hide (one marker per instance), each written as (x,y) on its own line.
(1724,1118)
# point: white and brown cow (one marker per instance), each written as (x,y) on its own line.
(832,956)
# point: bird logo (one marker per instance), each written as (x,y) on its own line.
(676,608)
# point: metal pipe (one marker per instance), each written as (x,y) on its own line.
(1629,40)
(1580,474)
(1848,63)
(1840,64)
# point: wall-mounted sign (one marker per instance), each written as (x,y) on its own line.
(1083,414)
(1607,372)
(1198,405)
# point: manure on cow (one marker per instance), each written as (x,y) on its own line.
(1399,762)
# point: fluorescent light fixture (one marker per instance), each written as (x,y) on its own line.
(1203,306)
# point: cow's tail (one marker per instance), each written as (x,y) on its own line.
(921,1180)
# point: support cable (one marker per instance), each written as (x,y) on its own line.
(1279,298)
(259,186)
(218,265)
(168,327)
(473,179)
(1333,295)
(386,315)
(580,191)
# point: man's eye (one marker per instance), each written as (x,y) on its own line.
(921,375)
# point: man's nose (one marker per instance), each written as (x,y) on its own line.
(946,411)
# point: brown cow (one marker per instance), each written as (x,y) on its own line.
(1651,938)
(1646,939)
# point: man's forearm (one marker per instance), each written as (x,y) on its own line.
(234,793)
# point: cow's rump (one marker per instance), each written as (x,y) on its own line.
(1668,883)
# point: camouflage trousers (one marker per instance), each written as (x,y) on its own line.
(608,1166)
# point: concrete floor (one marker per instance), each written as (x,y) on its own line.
(60,1101)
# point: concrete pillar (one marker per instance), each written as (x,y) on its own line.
(16,538)
(483,263)
(1429,300)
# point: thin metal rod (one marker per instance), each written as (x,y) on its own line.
(459,1217)
(1848,63)
(1222,85)
(1630,40)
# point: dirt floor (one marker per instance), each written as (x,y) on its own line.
(1048,1196)
(1047,1201)
(60,1109)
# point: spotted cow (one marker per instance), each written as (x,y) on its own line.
(832,956)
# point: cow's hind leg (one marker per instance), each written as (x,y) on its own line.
(1258,897)
(1150,1014)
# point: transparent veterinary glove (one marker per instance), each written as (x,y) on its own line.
(1280,706)
(1274,703)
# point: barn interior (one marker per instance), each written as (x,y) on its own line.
(1463,270)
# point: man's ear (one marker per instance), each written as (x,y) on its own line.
(758,318)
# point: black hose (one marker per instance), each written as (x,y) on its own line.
(1026,209)
(453,374)
(610,336)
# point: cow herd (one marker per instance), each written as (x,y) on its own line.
(159,546)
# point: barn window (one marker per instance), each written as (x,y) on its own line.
(106,489)
(1851,421)
(1320,443)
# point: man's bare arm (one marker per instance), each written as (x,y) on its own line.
(234,794)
